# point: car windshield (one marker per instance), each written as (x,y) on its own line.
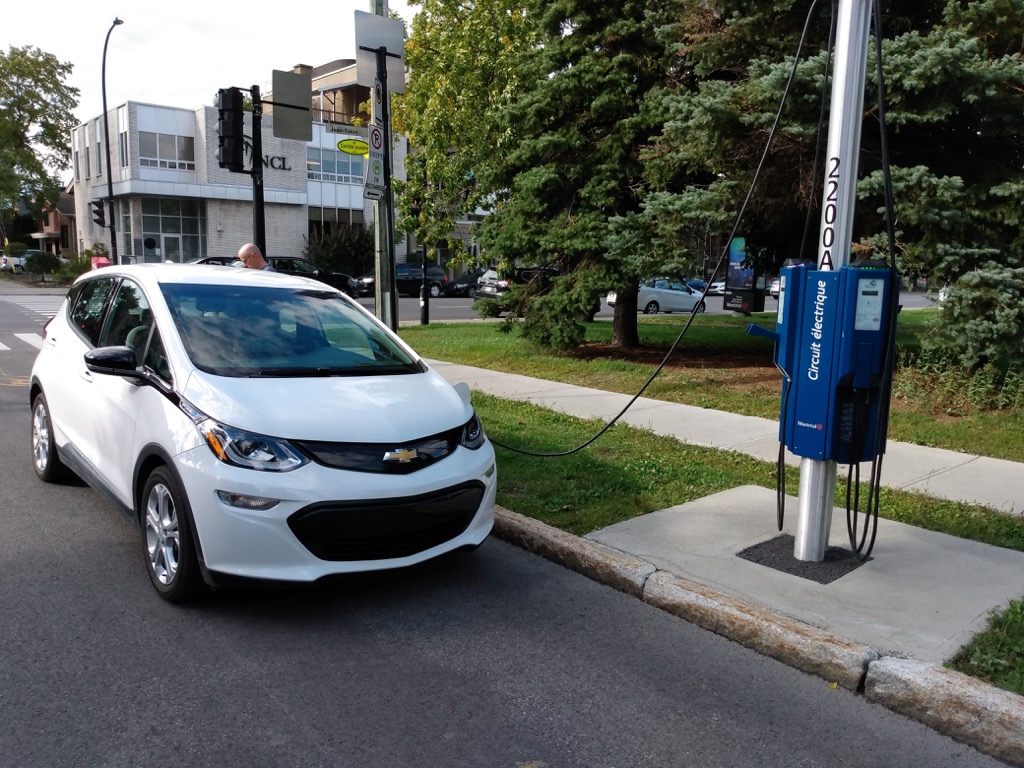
(259,331)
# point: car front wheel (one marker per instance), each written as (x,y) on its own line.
(701,308)
(45,461)
(167,541)
(651,308)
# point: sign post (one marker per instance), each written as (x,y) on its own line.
(380,47)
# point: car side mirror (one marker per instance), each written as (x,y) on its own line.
(113,361)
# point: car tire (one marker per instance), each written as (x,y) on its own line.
(471,291)
(651,308)
(18,269)
(701,308)
(45,459)
(167,540)
(435,290)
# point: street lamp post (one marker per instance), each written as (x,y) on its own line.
(106,140)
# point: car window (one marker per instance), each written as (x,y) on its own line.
(87,310)
(129,316)
(297,266)
(262,331)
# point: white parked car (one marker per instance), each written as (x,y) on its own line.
(256,425)
(717,288)
(664,294)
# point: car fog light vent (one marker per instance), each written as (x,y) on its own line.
(244,501)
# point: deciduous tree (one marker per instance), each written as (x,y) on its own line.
(36,118)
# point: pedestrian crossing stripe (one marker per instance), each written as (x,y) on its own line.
(33,339)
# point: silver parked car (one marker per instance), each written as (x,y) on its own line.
(664,294)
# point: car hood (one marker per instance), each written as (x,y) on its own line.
(338,408)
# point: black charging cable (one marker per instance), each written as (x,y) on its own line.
(888,363)
(714,274)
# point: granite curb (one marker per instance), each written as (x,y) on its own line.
(962,707)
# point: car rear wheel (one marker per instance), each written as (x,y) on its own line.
(435,290)
(651,308)
(167,541)
(45,461)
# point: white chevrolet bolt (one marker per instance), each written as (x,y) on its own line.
(256,426)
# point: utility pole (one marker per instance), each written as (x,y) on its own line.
(818,477)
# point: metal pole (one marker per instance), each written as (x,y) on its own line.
(106,140)
(424,293)
(818,478)
(259,228)
(384,210)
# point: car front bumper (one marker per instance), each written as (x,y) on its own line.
(350,521)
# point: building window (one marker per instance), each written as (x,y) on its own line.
(78,176)
(175,226)
(332,165)
(165,150)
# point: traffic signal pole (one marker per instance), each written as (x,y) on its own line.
(259,227)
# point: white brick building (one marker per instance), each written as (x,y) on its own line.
(174,202)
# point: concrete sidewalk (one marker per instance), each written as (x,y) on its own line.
(884,628)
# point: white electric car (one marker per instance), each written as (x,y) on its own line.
(256,426)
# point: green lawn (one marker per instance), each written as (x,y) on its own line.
(717,365)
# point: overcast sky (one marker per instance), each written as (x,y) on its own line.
(179,52)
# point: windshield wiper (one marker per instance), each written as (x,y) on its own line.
(300,372)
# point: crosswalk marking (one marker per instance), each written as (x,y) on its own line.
(43,305)
(33,339)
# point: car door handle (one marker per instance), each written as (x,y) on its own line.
(86,375)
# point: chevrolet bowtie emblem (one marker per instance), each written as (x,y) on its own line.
(403,456)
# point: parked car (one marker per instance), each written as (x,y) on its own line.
(409,280)
(717,288)
(494,286)
(303,268)
(467,284)
(697,284)
(254,429)
(295,266)
(664,294)
(773,287)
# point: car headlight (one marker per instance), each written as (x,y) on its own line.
(245,449)
(473,433)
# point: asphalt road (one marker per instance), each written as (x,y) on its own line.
(495,658)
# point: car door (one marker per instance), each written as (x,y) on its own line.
(679,297)
(68,392)
(116,400)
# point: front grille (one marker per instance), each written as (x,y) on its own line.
(383,529)
(386,458)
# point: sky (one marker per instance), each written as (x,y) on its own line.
(178,53)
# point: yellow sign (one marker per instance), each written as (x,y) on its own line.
(353,146)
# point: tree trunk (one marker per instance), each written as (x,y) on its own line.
(624,325)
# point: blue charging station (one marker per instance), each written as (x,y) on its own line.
(832,337)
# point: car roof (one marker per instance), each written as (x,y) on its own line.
(155,274)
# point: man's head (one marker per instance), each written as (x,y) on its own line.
(251,257)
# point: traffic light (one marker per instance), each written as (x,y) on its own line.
(97,213)
(230,141)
